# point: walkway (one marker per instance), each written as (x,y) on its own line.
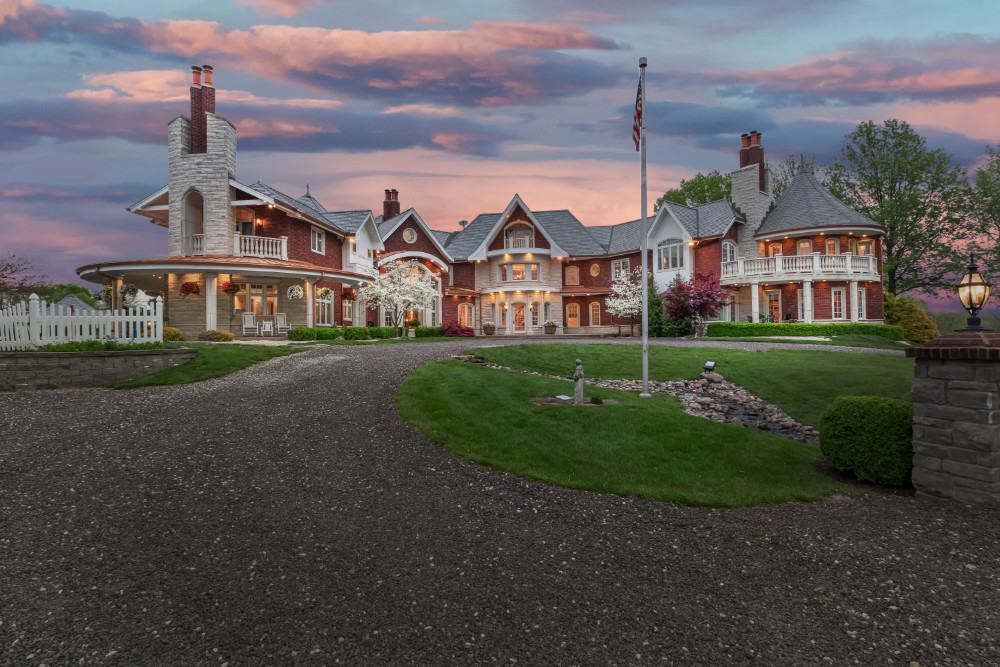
(285,514)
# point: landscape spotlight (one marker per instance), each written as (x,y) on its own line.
(973,291)
(709,366)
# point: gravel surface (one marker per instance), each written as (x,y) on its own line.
(285,514)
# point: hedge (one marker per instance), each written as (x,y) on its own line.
(424,332)
(172,334)
(216,336)
(302,333)
(742,329)
(329,333)
(869,436)
(356,333)
(382,332)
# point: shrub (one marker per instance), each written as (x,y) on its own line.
(742,329)
(302,333)
(424,332)
(489,328)
(216,336)
(172,333)
(329,333)
(382,332)
(869,436)
(456,329)
(676,328)
(98,346)
(917,323)
(355,333)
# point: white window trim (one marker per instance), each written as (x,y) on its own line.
(316,232)
(862,303)
(466,308)
(667,248)
(800,243)
(590,313)
(576,307)
(836,246)
(843,303)
(574,270)
(619,266)
(767,302)
(732,249)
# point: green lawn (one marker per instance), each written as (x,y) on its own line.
(648,448)
(801,382)
(212,361)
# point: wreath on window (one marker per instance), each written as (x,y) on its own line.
(324,294)
(230,288)
(189,288)
(295,292)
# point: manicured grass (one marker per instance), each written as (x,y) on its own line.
(98,346)
(212,361)
(648,448)
(801,382)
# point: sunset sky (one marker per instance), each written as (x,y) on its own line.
(458,105)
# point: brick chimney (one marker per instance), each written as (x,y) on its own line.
(198,128)
(390,205)
(752,152)
(208,90)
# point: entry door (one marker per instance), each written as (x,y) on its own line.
(572,314)
(774,306)
(519,318)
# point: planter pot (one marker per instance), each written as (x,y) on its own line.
(489,329)
(550,330)
(411,332)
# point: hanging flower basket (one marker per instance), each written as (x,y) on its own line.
(230,288)
(128,292)
(189,288)
(295,292)
(324,293)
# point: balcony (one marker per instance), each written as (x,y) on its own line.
(265,247)
(801,267)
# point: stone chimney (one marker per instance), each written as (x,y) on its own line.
(390,205)
(749,191)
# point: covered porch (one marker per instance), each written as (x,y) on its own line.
(806,301)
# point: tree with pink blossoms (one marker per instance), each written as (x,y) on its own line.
(697,299)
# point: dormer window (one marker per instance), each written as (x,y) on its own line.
(728,251)
(519,236)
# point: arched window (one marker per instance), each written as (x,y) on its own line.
(519,236)
(595,313)
(728,251)
(465,314)
(572,275)
(194,223)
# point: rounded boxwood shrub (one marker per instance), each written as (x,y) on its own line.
(302,333)
(869,436)
(172,333)
(917,323)
(329,333)
(355,333)
(216,336)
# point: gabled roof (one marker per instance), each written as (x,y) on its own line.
(808,205)
(313,203)
(387,227)
(563,219)
(704,220)
(568,232)
(463,243)
(349,221)
(293,204)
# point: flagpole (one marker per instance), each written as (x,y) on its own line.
(645,238)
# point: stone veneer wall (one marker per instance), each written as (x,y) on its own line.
(56,370)
(754,204)
(956,417)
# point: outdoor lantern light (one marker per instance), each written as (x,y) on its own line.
(709,366)
(973,291)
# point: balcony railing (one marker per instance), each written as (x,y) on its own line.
(518,242)
(197,244)
(802,266)
(267,247)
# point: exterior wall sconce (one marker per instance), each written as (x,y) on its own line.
(973,291)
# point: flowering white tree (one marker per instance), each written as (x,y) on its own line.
(401,286)
(625,299)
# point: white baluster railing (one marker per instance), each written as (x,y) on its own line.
(197,244)
(798,263)
(833,264)
(267,247)
(817,265)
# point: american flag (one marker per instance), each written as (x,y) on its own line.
(637,121)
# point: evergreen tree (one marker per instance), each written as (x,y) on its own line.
(657,317)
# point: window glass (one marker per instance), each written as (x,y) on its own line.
(534,314)
(671,254)
(862,304)
(838,303)
(805,247)
(774,249)
(348,310)
(318,240)
(595,314)
(517,271)
(572,315)
(619,268)
(866,247)
(833,246)
(519,236)
(728,251)
(572,275)
(465,314)
(548,311)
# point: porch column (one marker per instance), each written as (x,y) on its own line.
(807,300)
(116,293)
(853,300)
(211,301)
(309,302)
(755,301)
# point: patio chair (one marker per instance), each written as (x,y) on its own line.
(281,323)
(250,325)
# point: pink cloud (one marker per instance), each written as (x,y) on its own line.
(430,20)
(279,7)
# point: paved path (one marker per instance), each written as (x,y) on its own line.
(285,514)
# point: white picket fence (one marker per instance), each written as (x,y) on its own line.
(34,323)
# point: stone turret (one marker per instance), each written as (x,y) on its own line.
(202,155)
(751,190)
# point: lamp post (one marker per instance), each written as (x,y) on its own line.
(973,291)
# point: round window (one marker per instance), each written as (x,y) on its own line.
(410,235)
(595,269)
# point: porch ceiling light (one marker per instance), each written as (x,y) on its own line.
(973,291)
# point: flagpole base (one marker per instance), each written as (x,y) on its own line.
(644,394)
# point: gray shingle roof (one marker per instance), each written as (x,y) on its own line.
(294,204)
(568,232)
(312,203)
(349,221)
(442,237)
(808,205)
(464,243)
(384,226)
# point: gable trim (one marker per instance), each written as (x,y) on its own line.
(481,251)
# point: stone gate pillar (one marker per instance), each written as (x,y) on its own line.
(956,417)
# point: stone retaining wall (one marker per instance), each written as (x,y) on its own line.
(956,417)
(56,370)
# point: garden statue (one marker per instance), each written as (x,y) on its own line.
(578,384)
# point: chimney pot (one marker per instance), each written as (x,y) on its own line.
(195,76)
(208,75)
(390,207)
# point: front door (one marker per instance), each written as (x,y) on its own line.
(774,306)
(518,318)
(572,314)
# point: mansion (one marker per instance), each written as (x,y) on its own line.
(236,248)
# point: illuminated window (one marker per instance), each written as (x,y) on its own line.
(805,247)
(534,314)
(519,236)
(465,314)
(347,311)
(595,314)
(833,246)
(866,247)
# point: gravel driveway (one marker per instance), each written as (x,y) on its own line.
(285,514)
